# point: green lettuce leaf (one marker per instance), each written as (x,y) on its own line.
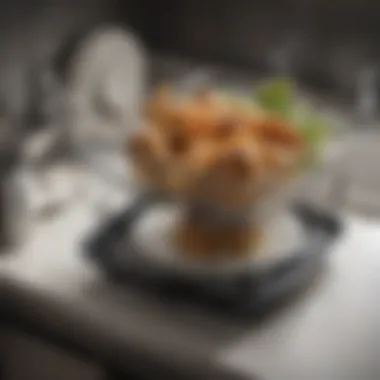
(315,131)
(277,96)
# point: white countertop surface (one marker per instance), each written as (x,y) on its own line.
(331,332)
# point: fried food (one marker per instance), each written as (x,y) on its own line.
(209,149)
(214,242)
(206,146)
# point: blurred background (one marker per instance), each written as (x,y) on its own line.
(330,48)
(74,73)
(328,45)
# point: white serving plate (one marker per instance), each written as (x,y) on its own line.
(151,240)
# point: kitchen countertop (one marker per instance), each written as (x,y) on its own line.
(330,332)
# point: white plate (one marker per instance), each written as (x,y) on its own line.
(152,241)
